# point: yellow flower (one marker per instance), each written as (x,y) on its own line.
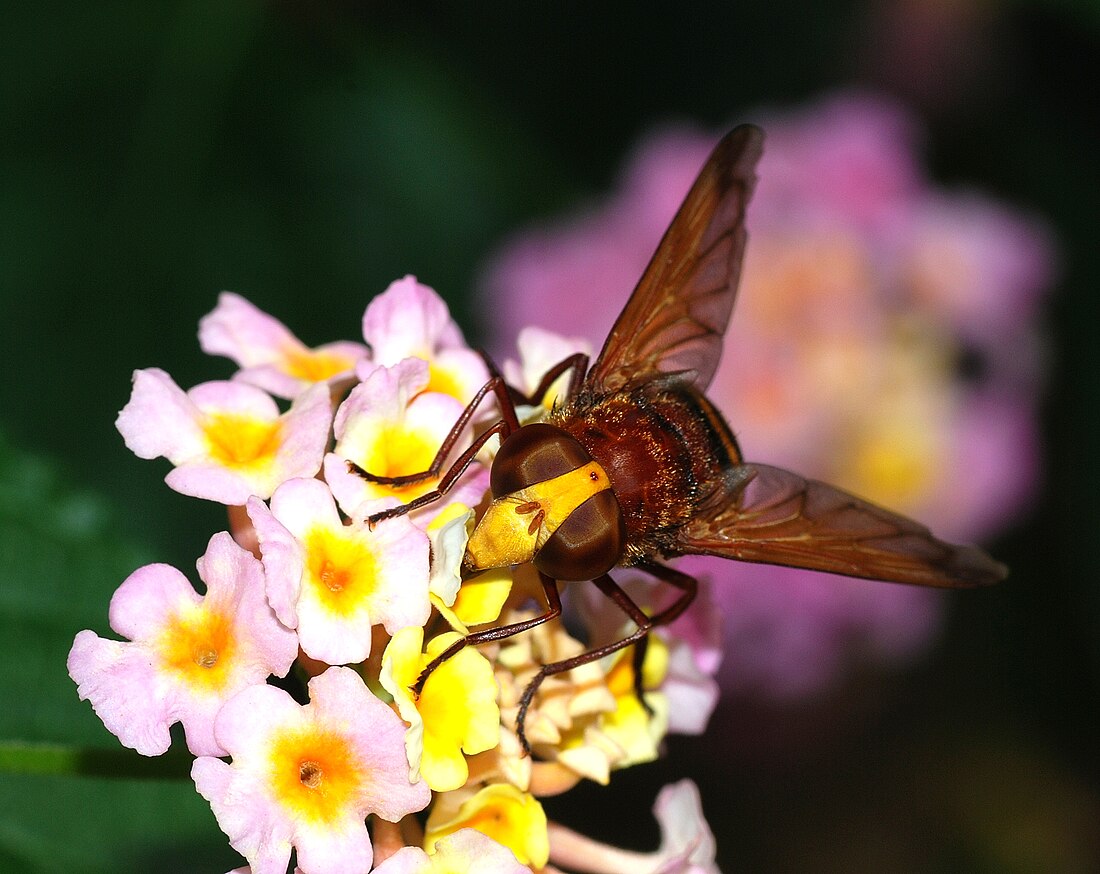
(456,712)
(500,811)
(636,731)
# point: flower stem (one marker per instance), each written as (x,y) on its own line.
(579,853)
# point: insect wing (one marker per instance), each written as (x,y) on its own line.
(675,319)
(773,516)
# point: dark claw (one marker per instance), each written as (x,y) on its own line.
(638,663)
(359,472)
(525,702)
(383,515)
(526,747)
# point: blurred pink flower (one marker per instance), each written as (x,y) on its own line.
(884,340)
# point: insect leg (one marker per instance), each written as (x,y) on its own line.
(514,394)
(447,480)
(688,587)
(686,583)
(553,610)
(497,386)
(578,363)
(608,586)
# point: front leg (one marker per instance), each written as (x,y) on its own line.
(577,363)
(446,482)
(510,419)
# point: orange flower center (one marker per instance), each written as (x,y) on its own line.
(313,773)
(341,567)
(199,646)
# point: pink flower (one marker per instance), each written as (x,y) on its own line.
(227,440)
(307,777)
(334,582)
(390,425)
(187,653)
(409,320)
(687,843)
(269,355)
(864,288)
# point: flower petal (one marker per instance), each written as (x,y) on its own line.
(160,419)
(187,655)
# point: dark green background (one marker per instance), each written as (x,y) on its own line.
(306,154)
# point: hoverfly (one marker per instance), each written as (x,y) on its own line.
(637,465)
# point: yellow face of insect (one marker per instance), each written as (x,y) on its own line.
(516,526)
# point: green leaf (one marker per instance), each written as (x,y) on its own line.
(45,759)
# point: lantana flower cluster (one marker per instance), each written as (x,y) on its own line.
(292,673)
(886,338)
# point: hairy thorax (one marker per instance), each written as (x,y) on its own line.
(664,450)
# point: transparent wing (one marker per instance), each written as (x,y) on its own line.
(773,516)
(675,319)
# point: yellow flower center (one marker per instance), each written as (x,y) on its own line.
(620,679)
(238,441)
(340,567)
(398,450)
(314,366)
(444,382)
(313,773)
(404,451)
(198,647)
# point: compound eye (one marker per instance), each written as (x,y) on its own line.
(588,543)
(534,454)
